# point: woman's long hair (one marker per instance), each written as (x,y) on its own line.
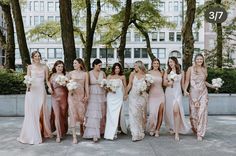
(82,65)
(54,68)
(114,68)
(141,66)
(177,65)
(153,60)
(203,64)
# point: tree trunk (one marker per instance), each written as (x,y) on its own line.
(8,41)
(67,33)
(145,34)
(125,26)
(90,30)
(219,49)
(24,51)
(188,40)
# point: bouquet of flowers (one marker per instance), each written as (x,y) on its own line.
(61,80)
(171,77)
(218,82)
(149,79)
(28,81)
(109,85)
(71,86)
(142,88)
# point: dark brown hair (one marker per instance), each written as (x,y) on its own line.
(114,67)
(54,68)
(81,62)
(156,59)
(177,65)
(200,55)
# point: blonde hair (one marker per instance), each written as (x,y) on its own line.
(141,66)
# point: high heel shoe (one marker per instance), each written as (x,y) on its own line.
(157,134)
(177,137)
(75,141)
(199,138)
(95,139)
(151,133)
(58,139)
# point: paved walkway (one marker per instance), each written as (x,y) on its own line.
(219,141)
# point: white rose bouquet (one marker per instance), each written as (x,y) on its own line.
(112,86)
(149,79)
(103,83)
(218,82)
(71,86)
(142,88)
(61,80)
(28,81)
(171,77)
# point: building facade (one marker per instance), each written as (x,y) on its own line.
(164,42)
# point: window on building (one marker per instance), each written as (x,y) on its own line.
(176,6)
(57,18)
(58,52)
(136,37)
(178,36)
(110,52)
(41,19)
(128,37)
(31,21)
(196,36)
(154,36)
(50,6)
(30,6)
(161,36)
(176,20)
(137,52)
(41,5)
(171,36)
(144,53)
(51,53)
(50,18)
(170,6)
(77,51)
(36,6)
(57,6)
(93,53)
(36,20)
(159,53)
(162,6)
(17,53)
(127,52)
(24,20)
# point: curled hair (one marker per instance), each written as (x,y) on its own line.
(177,65)
(82,65)
(114,68)
(96,62)
(141,66)
(153,60)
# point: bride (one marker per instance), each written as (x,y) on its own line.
(114,101)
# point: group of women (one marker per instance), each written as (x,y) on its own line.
(99,113)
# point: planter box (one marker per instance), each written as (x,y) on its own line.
(219,104)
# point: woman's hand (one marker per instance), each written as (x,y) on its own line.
(50,90)
(186,93)
(125,97)
(85,99)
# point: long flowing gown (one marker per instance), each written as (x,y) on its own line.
(95,115)
(59,114)
(36,122)
(77,108)
(114,103)
(137,105)
(198,93)
(156,98)
(173,96)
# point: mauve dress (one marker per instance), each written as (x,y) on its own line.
(198,93)
(59,114)
(156,98)
(77,107)
(96,110)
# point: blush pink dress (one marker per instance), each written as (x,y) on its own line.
(156,98)
(36,124)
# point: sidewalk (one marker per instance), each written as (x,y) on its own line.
(220,140)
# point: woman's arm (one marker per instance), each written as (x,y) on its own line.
(187,80)
(124,81)
(182,80)
(131,77)
(47,80)
(86,87)
(166,82)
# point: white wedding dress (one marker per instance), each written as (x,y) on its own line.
(114,104)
